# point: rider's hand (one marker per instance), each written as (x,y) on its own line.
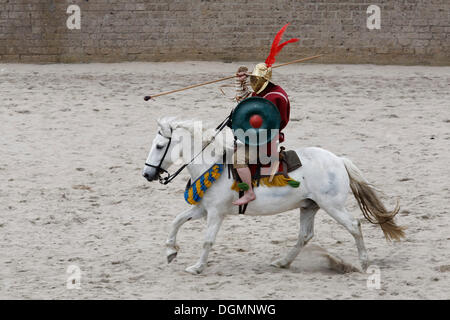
(241,74)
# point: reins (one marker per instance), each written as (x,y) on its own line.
(169,176)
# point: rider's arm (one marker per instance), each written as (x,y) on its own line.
(242,91)
(281,101)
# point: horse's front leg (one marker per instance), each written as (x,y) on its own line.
(193,213)
(214,220)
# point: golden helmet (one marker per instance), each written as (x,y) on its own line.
(262,73)
(260,77)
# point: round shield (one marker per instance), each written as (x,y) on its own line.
(255,121)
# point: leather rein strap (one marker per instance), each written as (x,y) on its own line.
(169,176)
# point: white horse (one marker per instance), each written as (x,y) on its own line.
(325,181)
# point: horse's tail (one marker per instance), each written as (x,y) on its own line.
(370,204)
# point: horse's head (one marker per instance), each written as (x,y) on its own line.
(183,140)
(162,153)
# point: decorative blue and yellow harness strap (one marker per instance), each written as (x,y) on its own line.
(194,192)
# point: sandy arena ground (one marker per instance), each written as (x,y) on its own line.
(74,139)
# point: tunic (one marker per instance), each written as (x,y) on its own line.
(278,97)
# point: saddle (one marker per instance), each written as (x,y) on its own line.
(289,161)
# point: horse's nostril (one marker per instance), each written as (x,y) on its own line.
(145,175)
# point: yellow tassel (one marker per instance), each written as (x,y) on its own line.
(198,185)
(278,181)
(215,175)
(207,182)
(191,196)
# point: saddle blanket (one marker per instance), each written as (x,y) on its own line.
(289,161)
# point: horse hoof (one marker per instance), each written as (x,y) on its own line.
(171,253)
(280,263)
(195,270)
(171,256)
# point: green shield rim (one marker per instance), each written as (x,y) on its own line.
(241,121)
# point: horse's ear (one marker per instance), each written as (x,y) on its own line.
(165,124)
(160,122)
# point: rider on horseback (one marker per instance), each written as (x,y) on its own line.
(260,81)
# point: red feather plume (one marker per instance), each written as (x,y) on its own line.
(276,48)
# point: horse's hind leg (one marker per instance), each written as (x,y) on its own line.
(193,213)
(353,226)
(307,214)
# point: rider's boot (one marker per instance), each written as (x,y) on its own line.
(249,195)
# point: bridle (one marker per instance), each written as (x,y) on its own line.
(165,180)
(159,169)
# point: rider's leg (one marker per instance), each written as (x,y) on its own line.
(274,161)
(241,160)
(246,176)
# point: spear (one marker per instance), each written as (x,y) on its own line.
(146,98)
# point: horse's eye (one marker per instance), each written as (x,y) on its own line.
(159,147)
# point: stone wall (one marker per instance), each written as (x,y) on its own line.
(412,31)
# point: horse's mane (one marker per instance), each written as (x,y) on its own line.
(169,124)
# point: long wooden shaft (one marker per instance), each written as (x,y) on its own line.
(189,87)
(146,98)
(297,61)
